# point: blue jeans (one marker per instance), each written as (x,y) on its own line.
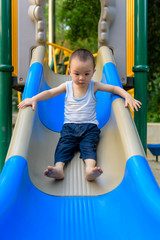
(77,137)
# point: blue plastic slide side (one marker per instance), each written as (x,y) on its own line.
(33,81)
(111,75)
(11,179)
(51,111)
(129,212)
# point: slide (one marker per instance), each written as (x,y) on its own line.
(123,203)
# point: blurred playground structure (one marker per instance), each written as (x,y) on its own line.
(124,202)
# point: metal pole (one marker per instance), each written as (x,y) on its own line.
(5,79)
(140,69)
(54,22)
(51,27)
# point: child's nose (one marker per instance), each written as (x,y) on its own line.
(81,77)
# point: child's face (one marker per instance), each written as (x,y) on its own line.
(81,72)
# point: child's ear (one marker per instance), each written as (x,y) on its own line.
(69,70)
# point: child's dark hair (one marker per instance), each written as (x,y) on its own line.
(83,55)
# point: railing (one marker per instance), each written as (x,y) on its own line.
(65,57)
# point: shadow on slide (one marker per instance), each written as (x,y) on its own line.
(123,203)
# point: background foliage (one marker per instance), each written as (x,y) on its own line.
(154,60)
(80,20)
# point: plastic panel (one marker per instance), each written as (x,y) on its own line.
(131,211)
(33,80)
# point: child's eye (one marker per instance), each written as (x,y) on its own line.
(77,74)
(86,74)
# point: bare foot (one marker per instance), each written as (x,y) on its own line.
(93,173)
(54,172)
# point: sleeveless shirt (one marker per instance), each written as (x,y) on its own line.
(81,110)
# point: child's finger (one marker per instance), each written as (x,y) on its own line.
(126,104)
(135,106)
(139,106)
(33,107)
(21,105)
(131,106)
(139,102)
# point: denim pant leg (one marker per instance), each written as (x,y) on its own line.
(66,146)
(88,144)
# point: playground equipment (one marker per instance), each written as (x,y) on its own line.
(155,149)
(141,68)
(26,35)
(153,139)
(121,204)
(5,80)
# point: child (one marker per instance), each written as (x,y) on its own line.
(80,129)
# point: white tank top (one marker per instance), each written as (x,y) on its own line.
(81,110)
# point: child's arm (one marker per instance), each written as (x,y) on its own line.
(129,100)
(42,96)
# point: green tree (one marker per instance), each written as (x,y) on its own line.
(60,27)
(154,61)
(80,23)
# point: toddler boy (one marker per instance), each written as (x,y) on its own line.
(80,129)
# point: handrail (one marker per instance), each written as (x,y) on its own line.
(58,46)
(64,49)
(54,46)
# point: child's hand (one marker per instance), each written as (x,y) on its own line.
(133,103)
(28,102)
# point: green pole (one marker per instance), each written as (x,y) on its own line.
(140,69)
(5,79)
